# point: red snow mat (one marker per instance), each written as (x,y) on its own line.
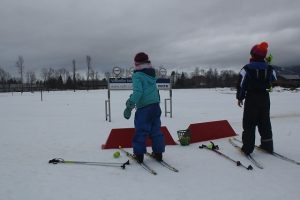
(123,137)
(210,131)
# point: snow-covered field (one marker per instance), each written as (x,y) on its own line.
(72,125)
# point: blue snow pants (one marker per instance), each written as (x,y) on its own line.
(147,124)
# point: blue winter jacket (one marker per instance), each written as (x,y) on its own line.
(145,91)
(255,77)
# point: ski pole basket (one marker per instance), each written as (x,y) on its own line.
(184,137)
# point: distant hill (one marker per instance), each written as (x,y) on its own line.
(291,70)
(295,69)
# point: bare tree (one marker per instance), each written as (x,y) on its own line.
(107,75)
(96,76)
(57,73)
(4,76)
(93,77)
(196,72)
(64,74)
(92,74)
(88,62)
(79,77)
(47,75)
(31,78)
(44,74)
(74,73)
(51,73)
(20,66)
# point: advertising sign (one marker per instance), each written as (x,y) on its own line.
(126,84)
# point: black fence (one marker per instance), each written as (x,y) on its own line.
(38,87)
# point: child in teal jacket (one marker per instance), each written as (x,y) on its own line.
(145,98)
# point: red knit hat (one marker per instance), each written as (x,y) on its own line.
(259,51)
(141,58)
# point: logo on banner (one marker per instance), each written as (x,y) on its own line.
(117,71)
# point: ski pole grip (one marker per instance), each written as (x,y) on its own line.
(53,161)
(56,160)
(124,164)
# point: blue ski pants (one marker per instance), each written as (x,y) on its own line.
(147,124)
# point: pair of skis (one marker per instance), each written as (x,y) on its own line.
(256,163)
(248,156)
(215,148)
(147,167)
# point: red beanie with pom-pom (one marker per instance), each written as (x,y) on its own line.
(259,51)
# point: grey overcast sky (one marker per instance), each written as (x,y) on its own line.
(177,34)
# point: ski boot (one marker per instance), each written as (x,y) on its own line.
(157,156)
(139,158)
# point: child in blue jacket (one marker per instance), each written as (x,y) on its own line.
(145,98)
(255,80)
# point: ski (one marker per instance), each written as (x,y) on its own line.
(145,166)
(107,164)
(249,157)
(215,148)
(255,162)
(274,154)
(163,163)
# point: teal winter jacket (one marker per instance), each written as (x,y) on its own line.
(145,91)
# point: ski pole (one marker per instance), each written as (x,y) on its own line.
(108,164)
(215,149)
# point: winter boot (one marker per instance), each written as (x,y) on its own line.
(139,157)
(267,145)
(245,151)
(157,156)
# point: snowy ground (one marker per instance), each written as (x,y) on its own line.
(72,126)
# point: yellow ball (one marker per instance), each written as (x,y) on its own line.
(117,154)
(210,146)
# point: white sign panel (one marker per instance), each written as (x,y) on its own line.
(163,84)
(126,84)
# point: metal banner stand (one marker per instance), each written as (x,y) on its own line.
(107,107)
(119,83)
(170,103)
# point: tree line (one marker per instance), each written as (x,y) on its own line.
(201,78)
(62,79)
(50,78)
